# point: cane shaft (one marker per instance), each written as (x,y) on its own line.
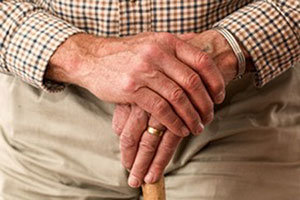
(154,191)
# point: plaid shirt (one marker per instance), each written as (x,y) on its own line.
(31,30)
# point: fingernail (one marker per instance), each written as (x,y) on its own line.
(149,178)
(220,97)
(133,182)
(185,131)
(199,128)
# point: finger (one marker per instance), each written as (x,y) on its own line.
(161,110)
(164,153)
(146,151)
(121,114)
(178,99)
(131,134)
(203,64)
(191,82)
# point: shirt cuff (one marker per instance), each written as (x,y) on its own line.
(267,36)
(32,45)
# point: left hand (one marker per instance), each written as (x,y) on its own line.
(147,155)
(139,147)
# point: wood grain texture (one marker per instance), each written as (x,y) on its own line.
(154,191)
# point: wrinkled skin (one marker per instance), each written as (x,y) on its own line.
(147,155)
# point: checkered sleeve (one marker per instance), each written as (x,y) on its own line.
(270,31)
(28,37)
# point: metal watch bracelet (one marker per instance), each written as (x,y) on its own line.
(236,49)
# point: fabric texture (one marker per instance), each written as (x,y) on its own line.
(270,31)
(32,29)
(61,146)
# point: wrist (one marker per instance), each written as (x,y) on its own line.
(69,63)
(217,46)
(241,60)
(222,54)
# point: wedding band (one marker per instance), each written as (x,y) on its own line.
(154,131)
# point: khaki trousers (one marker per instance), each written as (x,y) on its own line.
(61,146)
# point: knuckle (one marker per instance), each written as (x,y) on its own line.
(150,49)
(154,74)
(147,146)
(193,82)
(176,123)
(201,59)
(166,36)
(160,106)
(139,113)
(127,141)
(143,66)
(129,84)
(177,95)
(117,129)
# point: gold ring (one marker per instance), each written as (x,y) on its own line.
(154,131)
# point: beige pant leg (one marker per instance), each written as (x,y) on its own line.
(61,146)
(251,150)
(58,146)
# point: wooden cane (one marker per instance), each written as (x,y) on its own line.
(155,191)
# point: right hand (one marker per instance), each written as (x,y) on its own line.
(147,155)
(157,71)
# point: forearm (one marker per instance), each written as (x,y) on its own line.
(28,37)
(68,63)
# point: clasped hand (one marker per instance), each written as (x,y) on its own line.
(169,78)
(146,155)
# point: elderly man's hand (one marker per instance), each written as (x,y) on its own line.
(160,73)
(148,155)
(139,147)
